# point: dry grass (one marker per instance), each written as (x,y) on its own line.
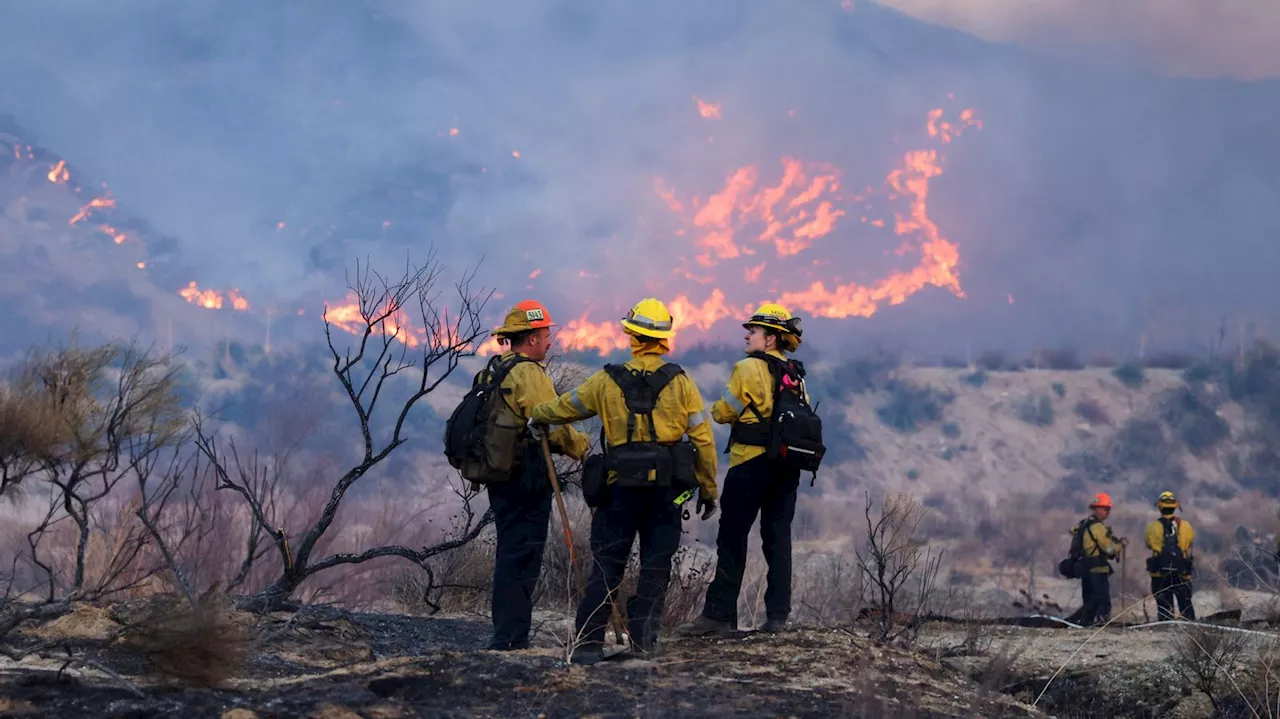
(202,644)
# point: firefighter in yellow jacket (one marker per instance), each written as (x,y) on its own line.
(755,485)
(522,507)
(1099,547)
(1169,538)
(658,448)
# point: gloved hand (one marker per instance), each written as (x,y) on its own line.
(537,429)
(707,507)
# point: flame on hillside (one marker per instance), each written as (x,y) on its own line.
(747,218)
(58,174)
(213,299)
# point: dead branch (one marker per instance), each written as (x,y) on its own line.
(387,346)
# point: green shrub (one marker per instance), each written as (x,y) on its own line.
(1130,374)
(1092,412)
(977,379)
(1059,389)
(950,430)
(1036,410)
(1061,358)
(910,405)
(1199,426)
(863,373)
(1198,372)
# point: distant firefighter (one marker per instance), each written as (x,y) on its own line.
(1093,547)
(1169,538)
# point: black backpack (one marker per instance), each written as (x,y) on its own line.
(484,437)
(632,461)
(1074,566)
(792,434)
(1171,558)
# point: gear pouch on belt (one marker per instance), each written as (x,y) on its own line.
(595,480)
(633,462)
(684,460)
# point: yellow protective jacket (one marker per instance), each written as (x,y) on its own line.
(530,386)
(750,384)
(1155,539)
(679,411)
(1100,546)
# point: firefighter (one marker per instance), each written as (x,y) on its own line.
(1098,548)
(754,485)
(1169,538)
(522,507)
(650,466)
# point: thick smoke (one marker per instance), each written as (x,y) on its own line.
(1188,38)
(1105,203)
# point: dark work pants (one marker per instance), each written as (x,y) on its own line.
(651,513)
(1170,587)
(755,487)
(1095,590)
(521,511)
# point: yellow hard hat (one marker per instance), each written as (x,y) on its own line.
(1167,500)
(649,318)
(776,317)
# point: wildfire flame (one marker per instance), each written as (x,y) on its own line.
(745,219)
(709,110)
(58,174)
(96,203)
(213,299)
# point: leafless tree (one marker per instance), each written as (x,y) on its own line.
(387,347)
(899,570)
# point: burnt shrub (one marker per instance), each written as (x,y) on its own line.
(863,373)
(1130,374)
(1061,358)
(910,405)
(1193,420)
(1092,412)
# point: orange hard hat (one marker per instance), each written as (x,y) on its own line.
(1101,500)
(526,315)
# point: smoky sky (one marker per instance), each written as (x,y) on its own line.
(1103,200)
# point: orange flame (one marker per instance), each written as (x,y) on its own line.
(791,214)
(94,204)
(709,110)
(212,299)
(116,236)
(58,174)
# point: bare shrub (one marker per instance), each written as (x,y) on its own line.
(1205,658)
(201,643)
(367,374)
(827,589)
(899,571)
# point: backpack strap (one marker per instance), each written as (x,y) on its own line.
(640,391)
